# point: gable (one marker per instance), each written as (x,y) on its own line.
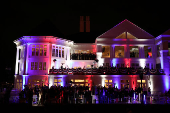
(126,26)
(125,35)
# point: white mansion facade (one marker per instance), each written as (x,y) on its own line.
(49,60)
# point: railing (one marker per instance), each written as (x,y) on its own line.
(82,56)
(106,71)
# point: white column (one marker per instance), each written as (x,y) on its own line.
(16,65)
(111,52)
(141,52)
(113,49)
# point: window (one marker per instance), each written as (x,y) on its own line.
(29,80)
(108,83)
(57,81)
(79,80)
(36,65)
(106,51)
(59,53)
(37,50)
(41,51)
(148,52)
(119,51)
(62,53)
(44,65)
(134,52)
(53,52)
(56,51)
(45,51)
(32,65)
(33,51)
(139,81)
(40,65)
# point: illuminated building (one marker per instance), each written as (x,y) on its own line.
(39,60)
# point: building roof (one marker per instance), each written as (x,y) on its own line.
(166,32)
(126,26)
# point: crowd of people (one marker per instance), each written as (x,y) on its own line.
(83,56)
(75,94)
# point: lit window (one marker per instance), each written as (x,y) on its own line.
(86,80)
(119,51)
(106,80)
(72,80)
(59,84)
(55,80)
(81,84)
(29,80)
(139,81)
(37,45)
(33,45)
(41,51)
(44,65)
(17,80)
(36,65)
(43,80)
(45,46)
(20,80)
(32,65)
(79,80)
(59,53)
(40,66)
(55,84)
(110,81)
(45,51)
(41,45)
(86,84)
(59,80)
(62,53)
(37,51)
(106,51)
(33,51)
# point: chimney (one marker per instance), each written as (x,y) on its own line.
(81,23)
(87,24)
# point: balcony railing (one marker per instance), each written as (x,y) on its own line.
(83,56)
(106,71)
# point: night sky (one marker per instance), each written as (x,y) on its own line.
(24,18)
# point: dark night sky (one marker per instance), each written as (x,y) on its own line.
(20,18)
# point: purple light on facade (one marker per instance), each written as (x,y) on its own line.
(114,62)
